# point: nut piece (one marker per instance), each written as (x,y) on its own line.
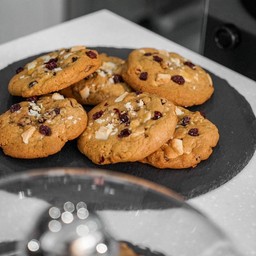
(27,134)
(121,97)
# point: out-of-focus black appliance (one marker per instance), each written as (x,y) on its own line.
(229,34)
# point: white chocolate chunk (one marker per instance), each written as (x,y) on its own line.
(178,111)
(177,145)
(46,58)
(57,96)
(176,61)
(57,69)
(165,78)
(77,48)
(101,73)
(140,103)
(103,133)
(31,65)
(121,97)
(128,106)
(108,67)
(27,134)
(85,92)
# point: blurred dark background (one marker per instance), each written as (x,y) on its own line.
(222,30)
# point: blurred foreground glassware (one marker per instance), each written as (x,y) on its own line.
(85,212)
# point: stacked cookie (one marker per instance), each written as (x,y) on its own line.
(139,109)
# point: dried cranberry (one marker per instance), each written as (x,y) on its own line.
(148,54)
(74,59)
(18,70)
(193,132)
(185,120)
(124,118)
(102,159)
(178,79)
(190,64)
(91,54)
(97,115)
(143,76)
(157,115)
(138,93)
(31,84)
(45,130)
(118,79)
(117,111)
(57,111)
(32,99)
(124,133)
(202,113)
(15,107)
(51,64)
(157,58)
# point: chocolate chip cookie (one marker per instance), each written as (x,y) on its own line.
(168,75)
(127,128)
(193,142)
(105,82)
(54,71)
(40,127)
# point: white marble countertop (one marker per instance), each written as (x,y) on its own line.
(231,206)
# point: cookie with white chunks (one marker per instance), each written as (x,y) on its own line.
(105,82)
(193,141)
(54,71)
(168,75)
(40,127)
(127,128)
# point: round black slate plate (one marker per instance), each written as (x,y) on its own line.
(227,109)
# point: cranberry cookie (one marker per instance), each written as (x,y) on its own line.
(40,127)
(102,84)
(168,75)
(127,128)
(54,71)
(193,142)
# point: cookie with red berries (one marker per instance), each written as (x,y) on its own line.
(105,82)
(127,128)
(40,127)
(168,75)
(54,71)
(193,141)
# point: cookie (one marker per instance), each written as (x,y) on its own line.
(105,82)
(40,127)
(127,128)
(168,75)
(54,71)
(193,141)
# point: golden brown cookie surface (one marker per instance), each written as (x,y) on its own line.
(125,128)
(41,127)
(193,142)
(105,82)
(54,71)
(168,75)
